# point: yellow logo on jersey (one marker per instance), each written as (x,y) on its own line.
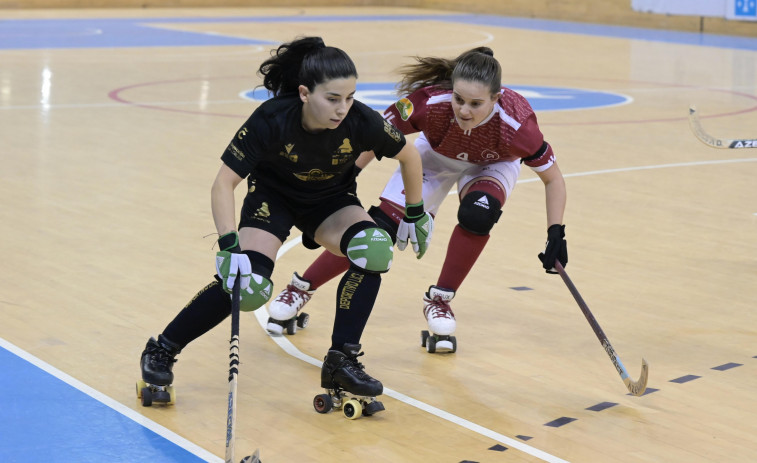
(235,151)
(405,108)
(346,147)
(263,211)
(314,175)
(288,154)
(242,133)
(392,131)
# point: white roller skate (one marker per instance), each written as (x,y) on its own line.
(441,321)
(284,309)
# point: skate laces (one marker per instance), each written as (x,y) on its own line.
(438,308)
(288,296)
(160,356)
(357,367)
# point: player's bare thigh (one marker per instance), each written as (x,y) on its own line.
(329,233)
(255,239)
(464,189)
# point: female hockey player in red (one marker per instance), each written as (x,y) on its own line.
(475,133)
(297,152)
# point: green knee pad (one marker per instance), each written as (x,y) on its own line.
(257,294)
(372,250)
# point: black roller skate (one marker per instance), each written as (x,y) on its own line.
(347,385)
(157,375)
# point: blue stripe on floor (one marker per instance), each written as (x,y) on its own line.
(44,418)
(147,32)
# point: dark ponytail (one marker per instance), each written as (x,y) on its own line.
(304,61)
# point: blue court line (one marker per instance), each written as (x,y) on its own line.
(46,415)
(17,34)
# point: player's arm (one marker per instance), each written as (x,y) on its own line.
(364,159)
(222,200)
(412,173)
(418,225)
(556,194)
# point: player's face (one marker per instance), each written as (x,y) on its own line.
(328,104)
(472,103)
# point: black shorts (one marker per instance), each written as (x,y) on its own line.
(268,210)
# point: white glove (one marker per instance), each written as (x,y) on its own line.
(418,233)
(231,264)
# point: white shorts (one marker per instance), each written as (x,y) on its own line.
(441,172)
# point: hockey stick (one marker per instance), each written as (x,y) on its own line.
(725,143)
(233,373)
(634,387)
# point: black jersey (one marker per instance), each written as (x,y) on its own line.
(272,148)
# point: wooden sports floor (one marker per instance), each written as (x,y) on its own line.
(112,123)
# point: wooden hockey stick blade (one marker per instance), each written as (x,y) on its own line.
(707,139)
(637,387)
(254,458)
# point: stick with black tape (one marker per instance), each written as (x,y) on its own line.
(233,373)
(707,139)
(637,387)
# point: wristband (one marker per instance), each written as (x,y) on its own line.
(229,242)
(414,211)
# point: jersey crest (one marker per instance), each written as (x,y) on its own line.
(405,108)
(314,175)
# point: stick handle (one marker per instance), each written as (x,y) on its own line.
(233,371)
(581,303)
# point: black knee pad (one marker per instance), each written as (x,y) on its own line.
(260,264)
(384,221)
(478,212)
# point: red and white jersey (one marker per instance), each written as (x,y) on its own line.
(510,132)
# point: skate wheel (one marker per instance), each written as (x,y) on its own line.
(424,336)
(171,395)
(431,344)
(146,397)
(323,403)
(140,384)
(352,409)
(454,343)
(274,327)
(303,319)
(291,326)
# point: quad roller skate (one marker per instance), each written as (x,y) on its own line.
(157,375)
(347,385)
(441,321)
(285,308)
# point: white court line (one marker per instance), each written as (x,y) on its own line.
(117,406)
(262,316)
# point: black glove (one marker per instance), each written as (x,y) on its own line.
(557,248)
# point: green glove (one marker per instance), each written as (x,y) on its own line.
(416,227)
(230,262)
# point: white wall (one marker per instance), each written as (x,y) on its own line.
(684,7)
(729,9)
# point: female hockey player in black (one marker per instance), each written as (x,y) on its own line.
(297,152)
